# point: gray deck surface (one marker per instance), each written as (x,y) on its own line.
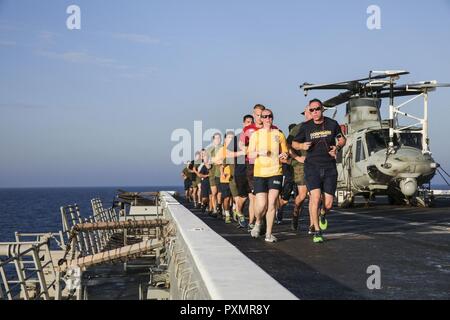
(410,245)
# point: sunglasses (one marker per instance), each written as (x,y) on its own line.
(267,116)
(315,109)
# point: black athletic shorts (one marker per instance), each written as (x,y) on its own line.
(265,184)
(288,186)
(205,188)
(250,176)
(324,179)
(242,186)
(187,184)
(225,190)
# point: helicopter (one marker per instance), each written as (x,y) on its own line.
(382,157)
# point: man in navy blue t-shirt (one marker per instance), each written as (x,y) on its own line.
(318,137)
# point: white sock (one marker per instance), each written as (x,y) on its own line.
(227,213)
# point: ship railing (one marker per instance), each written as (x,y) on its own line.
(84,243)
(57,237)
(102,214)
(91,242)
(70,216)
(27,271)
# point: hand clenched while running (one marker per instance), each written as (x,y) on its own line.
(332,151)
(283,156)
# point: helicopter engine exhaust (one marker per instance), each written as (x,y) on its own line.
(408,186)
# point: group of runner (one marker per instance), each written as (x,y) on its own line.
(265,168)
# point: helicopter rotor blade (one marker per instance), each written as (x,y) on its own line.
(422,85)
(386,74)
(339,99)
(327,86)
(396,93)
(353,85)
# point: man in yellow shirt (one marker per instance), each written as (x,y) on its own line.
(269,149)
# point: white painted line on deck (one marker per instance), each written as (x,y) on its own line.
(393,220)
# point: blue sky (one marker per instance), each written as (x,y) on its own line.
(97,106)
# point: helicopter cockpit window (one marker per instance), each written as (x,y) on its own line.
(409,139)
(359,154)
(379,140)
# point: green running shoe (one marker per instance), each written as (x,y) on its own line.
(323,223)
(235,216)
(318,238)
(227,219)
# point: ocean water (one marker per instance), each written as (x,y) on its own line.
(37,209)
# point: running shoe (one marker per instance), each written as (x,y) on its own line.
(250,227)
(234,216)
(323,223)
(270,238)
(311,230)
(256,231)
(318,238)
(227,219)
(242,222)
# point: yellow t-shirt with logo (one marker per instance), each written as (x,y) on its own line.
(271,142)
(225,177)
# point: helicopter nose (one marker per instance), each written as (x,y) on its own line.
(408,186)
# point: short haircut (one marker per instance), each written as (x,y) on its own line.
(229,133)
(259,106)
(270,112)
(291,126)
(216,134)
(315,100)
(248,116)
